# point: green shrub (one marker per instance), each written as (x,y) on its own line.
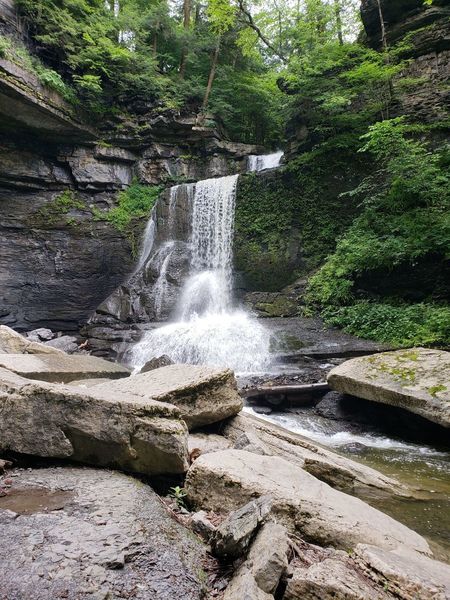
(402,325)
(5,46)
(18,53)
(134,202)
(405,214)
(52,212)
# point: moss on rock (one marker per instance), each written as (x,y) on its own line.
(288,221)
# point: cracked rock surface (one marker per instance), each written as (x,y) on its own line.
(79,533)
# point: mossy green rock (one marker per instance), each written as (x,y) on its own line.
(288,220)
(417,380)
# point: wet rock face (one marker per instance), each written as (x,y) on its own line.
(56,262)
(93,534)
(428,48)
(151,293)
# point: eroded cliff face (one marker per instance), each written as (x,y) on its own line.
(60,257)
(424,34)
(420,35)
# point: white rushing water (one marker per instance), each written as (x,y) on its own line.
(318,430)
(147,242)
(207,329)
(161,264)
(265,161)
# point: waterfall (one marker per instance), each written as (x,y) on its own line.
(161,264)
(207,328)
(265,161)
(208,289)
(147,242)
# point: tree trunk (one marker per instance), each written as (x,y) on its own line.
(337,11)
(387,58)
(197,12)
(382,26)
(186,24)
(212,74)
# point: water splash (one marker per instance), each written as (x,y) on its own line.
(208,329)
(233,340)
(318,430)
(264,161)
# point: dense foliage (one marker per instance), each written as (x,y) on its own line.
(404,223)
(128,55)
(364,199)
(401,325)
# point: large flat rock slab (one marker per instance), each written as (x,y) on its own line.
(228,479)
(61,367)
(417,380)
(12,342)
(91,425)
(204,395)
(83,533)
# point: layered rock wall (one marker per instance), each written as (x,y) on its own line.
(60,256)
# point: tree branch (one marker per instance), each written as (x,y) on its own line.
(251,23)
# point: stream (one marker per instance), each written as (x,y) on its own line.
(423,466)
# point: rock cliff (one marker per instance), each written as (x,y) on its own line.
(60,257)
(424,32)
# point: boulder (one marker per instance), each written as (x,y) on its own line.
(252,434)
(203,394)
(87,383)
(404,573)
(42,334)
(156,363)
(12,342)
(83,533)
(267,561)
(61,368)
(334,578)
(225,480)
(93,426)
(66,343)
(416,380)
(233,536)
(4,464)
(244,587)
(268,556)
(207,442)
(368,572)
(202,525)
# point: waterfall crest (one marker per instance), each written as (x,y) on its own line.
(265,161)
(208,329)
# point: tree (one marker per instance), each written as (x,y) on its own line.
(222,17)
(186,25)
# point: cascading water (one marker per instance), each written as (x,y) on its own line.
(161,263)
(208,329)
(147,242)
(265,161)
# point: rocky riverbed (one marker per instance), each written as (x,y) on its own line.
(222,504)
